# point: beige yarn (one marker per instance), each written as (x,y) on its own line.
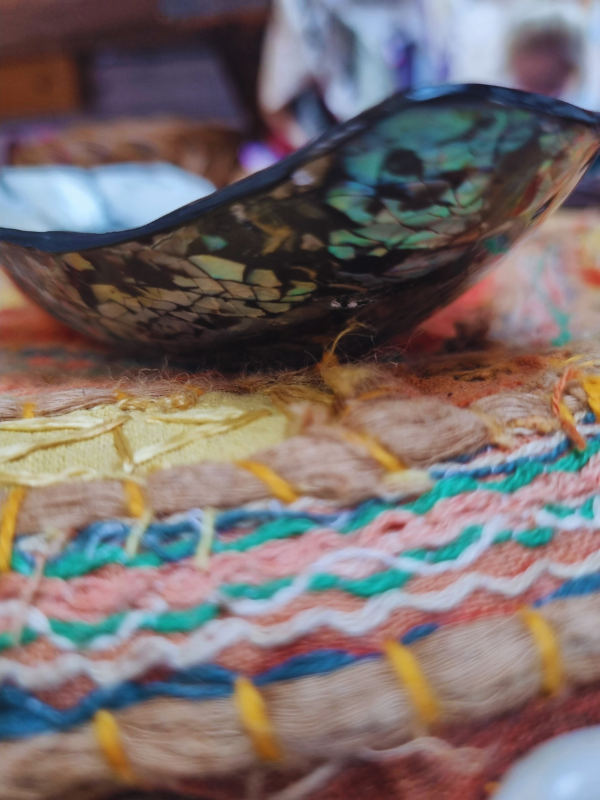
(477,671)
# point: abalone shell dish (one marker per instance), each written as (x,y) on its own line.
(372,228)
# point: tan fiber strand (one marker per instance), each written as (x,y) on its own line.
(62,401)
(511,408)
(322,461)
(70,506)
(18,451)
(478,671)
(321,465)
(219,485)
(419,432)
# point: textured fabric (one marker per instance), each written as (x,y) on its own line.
(285,532)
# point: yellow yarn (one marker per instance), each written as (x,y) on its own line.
(108,735)
(279,487)
(591,387)
(136,504)
(253,713)
(378,453)
(202,554)
(10,512)
(547,644)
(123,448)
(411,677)
(28,410)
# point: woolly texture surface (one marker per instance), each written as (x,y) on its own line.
(365,580)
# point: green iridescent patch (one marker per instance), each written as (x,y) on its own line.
(214,243)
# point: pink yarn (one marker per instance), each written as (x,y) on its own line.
(182,585)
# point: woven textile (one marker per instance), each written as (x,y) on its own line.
(378,579)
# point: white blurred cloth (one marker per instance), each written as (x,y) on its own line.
(355,53)
(111,197)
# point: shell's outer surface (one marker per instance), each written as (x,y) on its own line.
(383,226)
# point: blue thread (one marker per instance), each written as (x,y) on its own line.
(178,539)
(307,664)
(419,632)
(23,715)
(587,584)
(509,466)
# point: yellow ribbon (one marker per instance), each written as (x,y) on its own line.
(278,487)
(547,644)
(253,713)
(8,526)
(412,679)
(109,740)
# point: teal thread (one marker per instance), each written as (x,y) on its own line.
(283,528)
(185,621)
(71,565)
(537,537)
(559,511)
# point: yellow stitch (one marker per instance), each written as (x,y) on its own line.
(36,424)
(32,479)
(201,418)
(16,452)
(591,386)
(207,535)
(329,358)
(547,645)
(279,487)
(28,410)
(109,739)
(253,712)
(136,503)
(376,450)
(412,679)
(136,533)
(8,526)
(123,448)
(178,441)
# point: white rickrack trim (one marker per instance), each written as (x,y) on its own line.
(357,556)
(574,522)
(205,644)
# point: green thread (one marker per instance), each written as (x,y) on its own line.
(252,592)
(184,621)
(587,509)
(537,537)
(74,565)
(7,638)
(447,487)
(559,511)
(283,528)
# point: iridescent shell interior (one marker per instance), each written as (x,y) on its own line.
(382,221)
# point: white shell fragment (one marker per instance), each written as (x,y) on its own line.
(564,768)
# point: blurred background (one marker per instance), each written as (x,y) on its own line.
(113,113)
